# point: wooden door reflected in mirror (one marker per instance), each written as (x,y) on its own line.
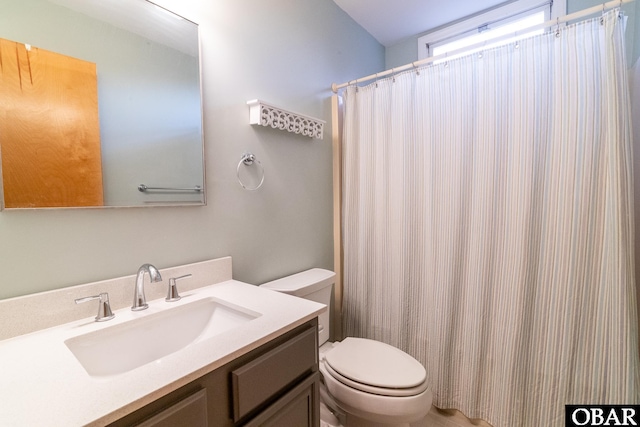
(49,129)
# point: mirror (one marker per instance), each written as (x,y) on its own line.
(141,107)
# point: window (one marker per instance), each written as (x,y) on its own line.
(486,35)
(492,28)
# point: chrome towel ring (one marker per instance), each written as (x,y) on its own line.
(249,159)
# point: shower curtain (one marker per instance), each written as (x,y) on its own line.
(487,224)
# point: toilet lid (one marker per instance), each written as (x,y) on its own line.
(376,364)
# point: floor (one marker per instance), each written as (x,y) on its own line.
(435,418)
(451,418)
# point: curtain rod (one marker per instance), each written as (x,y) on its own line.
(560,20)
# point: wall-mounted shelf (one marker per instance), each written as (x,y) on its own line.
(264,114)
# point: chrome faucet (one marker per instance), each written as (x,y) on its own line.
(139,300)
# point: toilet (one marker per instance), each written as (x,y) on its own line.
(365,382)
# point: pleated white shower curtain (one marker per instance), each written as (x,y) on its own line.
(488,228)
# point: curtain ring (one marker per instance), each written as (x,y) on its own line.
(393,75)
(557,26)
(249,159)
(376,81)
(415,68)
(620,11)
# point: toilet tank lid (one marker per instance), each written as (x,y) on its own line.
(303,283)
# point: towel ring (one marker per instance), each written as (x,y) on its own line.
(249,159)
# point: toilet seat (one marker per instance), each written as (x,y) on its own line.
(375,408)
(375,367)
(391,392)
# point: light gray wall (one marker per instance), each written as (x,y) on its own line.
(402,53)
(287,52)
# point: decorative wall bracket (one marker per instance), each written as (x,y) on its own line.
(264,114)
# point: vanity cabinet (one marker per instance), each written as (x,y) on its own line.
(276,384)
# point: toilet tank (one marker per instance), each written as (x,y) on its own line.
(314,285)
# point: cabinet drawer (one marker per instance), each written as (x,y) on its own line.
(191,411)
(263,378)
(298,408)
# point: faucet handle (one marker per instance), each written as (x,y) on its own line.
(172,292)
(104,308)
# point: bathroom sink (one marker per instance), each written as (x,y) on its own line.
(123,347)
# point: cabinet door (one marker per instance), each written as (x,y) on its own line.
(297,408)
(259,381)
(191,411)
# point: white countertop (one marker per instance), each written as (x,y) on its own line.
(42,383)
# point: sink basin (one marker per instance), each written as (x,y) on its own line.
(121,348)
